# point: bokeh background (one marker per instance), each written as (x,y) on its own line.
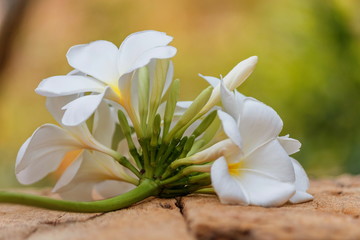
(308,70)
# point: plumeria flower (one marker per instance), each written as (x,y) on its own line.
(108,72)
(50,144)
(259,170)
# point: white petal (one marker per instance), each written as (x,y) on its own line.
(213,81)
(104,124)
(230,128)
(258,124)
(155,53)
(80,191)
(125,85)
(70,172)
(229,190)
(290,145)
(240,73)
(169,77)
(135,45)
(301,197)
(271,160)
(225,148)
(79,110)
(55,104)
(111,188)
(43,153)
(95,168)
(181,107)
(265,191)
(230,105)
(67,85)
(301,184)
(97,59)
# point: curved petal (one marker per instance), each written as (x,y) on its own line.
(55,104)
(110,188)
(104,124)
(229,190)
(97,59)
(270,160)
(95,168)
(154,53)
(79,110)
(136,45)
(213,81)
(169,77)
(240,73)
(230,103)
(301,184)
(258,124)
(81,131)
(290,145)
(230,128)
(70,172)
(181,107)
(125,85)
(43,153)
(67,85)
(265,191)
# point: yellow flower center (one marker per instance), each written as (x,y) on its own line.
(115,89)
(234,168)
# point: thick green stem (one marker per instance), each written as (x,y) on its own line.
(146,189)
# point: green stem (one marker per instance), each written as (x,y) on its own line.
(146,189)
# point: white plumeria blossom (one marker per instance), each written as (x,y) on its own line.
(50,145)
(107,72)
(260,172)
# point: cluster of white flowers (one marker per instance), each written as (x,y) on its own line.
(121,123)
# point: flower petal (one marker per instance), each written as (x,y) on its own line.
(155,53)
(290,145)
(230,103)
(104,124)
(230,128)
(169,78)
(270,160)
(70,172)
(229,190)
(67,85)
(131,53)
(79,110)
(258,124)
(43,153)
(111,188)
(240,73)
(266,191)
(301,184)
(95,168)
(213,81)
(55,104)
(97,59)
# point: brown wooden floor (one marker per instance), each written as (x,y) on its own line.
(334,214)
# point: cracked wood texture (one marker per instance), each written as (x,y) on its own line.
(334,214)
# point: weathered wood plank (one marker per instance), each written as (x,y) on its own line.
(334,214)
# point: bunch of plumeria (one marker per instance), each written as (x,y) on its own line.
(124,136)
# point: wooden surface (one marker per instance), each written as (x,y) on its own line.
(334,214)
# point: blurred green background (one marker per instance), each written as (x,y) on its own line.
(308,70)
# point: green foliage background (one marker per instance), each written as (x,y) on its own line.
(308,70)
